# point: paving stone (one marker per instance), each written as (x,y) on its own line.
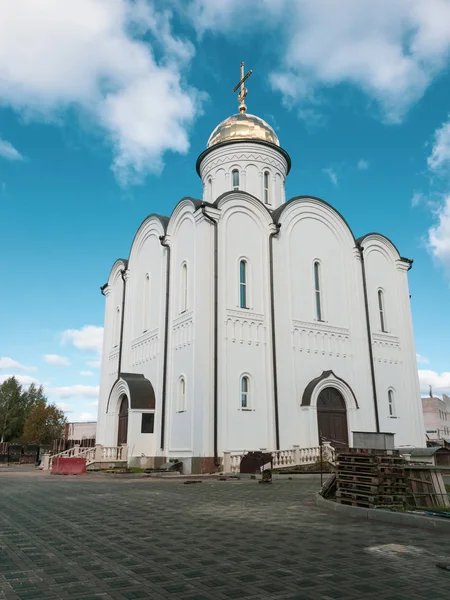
(96,538)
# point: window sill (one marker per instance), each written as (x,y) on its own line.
(389,417)
(246,409)
(182,411)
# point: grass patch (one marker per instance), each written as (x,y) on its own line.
(135,470)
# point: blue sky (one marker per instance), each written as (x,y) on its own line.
(106,104)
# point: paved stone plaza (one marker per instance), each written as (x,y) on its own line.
(96,537)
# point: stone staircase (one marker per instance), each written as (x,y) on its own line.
(97,457)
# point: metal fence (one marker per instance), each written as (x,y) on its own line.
(62,445)
(19,453)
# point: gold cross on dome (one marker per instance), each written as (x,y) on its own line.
(243,91)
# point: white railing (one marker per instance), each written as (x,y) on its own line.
(295,456)
(94,454)
(113,453)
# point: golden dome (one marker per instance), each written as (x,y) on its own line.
(242,127)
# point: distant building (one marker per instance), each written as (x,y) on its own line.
(436,416)
(81,430)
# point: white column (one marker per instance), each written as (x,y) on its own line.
(227,462)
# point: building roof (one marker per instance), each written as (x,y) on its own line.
(242,126)
(428,451)
(142,394)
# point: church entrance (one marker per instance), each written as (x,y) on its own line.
(123,422)
(332,417)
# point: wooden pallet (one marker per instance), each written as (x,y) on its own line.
(371,489)
(377,499)
(371,452)
(361,504)
(370,469)
(379,479)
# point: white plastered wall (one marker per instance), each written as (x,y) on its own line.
(312,231)
(244,333)
(393,350)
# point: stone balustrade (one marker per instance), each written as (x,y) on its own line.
(95,454)
(292,457)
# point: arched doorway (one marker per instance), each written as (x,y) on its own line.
(332,417)
(122,432)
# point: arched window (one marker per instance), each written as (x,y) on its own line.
(266,187)
(146,304)
(245,392)
(243,284)
(317,291)
(182,395)
(391,403)
(235,179)
(184,287)
(381,310)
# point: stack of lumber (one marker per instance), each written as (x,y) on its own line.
(426,488)
(370,478)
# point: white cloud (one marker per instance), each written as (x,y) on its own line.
(440,155)
(9,363)
(417,198)
(95,364)
(117,64)
(87,416)
(23,379)
(440,382)
(95,403)
(362,164)
(75,391)
(332,175)
(8,151)
(86,373)
(88,337)
(67,408)
(423,360)
(56,359)
(391,51)
(439,235)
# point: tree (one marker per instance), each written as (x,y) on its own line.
(16,405)
(11,423)
(45,423)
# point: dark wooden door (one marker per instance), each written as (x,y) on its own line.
(123,422)
(332,417)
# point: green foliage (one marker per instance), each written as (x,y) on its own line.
(11,424)
(16,405)
(44,424)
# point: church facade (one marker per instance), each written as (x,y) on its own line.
(244,321)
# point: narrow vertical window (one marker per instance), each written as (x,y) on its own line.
(116,328)
(182,395)
(381,310)
(184,287)
(235,178)
(317,291)
(243,284)
(146,304)
(244,392)
(209,188)
(391,403)
(266,187)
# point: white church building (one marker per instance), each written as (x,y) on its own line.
(246,321)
